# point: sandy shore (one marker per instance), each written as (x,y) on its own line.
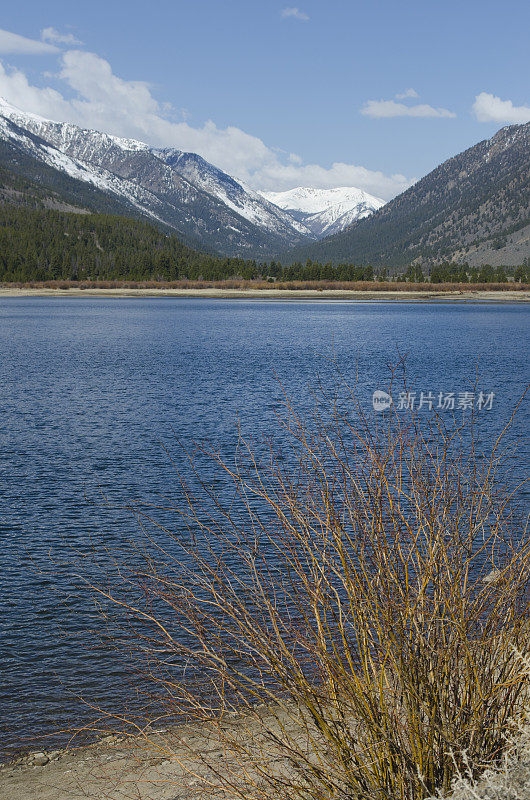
(279,294)
(115,769)
(185,764)
(174,764)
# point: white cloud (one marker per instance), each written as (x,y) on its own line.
(294,13)
(52,35)
(380,109)
(16,89)
(11,43)
(406,94)
(489,108)
(276,176)
(97,98)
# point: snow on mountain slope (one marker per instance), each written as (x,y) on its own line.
(64,132)
(183,190)
(326,211)
(240,198)
(100,178)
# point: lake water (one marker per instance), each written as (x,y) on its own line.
(92,390)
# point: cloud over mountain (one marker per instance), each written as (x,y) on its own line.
(489,108)
(90,94)
(52,35)
(294,13)
(381,109)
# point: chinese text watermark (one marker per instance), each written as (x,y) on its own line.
(437,401)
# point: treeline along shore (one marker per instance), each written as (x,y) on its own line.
(39,246)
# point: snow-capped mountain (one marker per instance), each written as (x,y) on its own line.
(235,194)
(181,190)
(31,145)
(326,211)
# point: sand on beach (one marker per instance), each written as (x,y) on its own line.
(184,763)
(180,763)
(507,296)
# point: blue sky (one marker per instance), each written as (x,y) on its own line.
(371,94)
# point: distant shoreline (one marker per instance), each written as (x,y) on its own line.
(385,295)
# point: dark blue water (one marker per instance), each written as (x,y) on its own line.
(91,390)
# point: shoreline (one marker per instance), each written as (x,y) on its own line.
(179,762)
(185,762)
(149,766)
(292,295)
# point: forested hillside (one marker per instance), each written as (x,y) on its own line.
(45,238)
(473,208)
(44,244)
(25,180)
(38,244)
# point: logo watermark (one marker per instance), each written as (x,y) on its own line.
(434,401)
(381,400)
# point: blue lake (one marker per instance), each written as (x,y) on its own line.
(93,390)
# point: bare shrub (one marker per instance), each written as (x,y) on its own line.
(507,780)
(255,284)
(353,593)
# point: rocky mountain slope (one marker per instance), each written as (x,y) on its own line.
(182,191)
(326,211)
(475,207)
(179,190)
(32,172)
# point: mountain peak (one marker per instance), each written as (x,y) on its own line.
(7,108)
(326,211)
(184,191)
(473,208)
(180,190)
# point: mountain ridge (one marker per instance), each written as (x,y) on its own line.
(474,208)
(326,211)
(174,188)
(141,175)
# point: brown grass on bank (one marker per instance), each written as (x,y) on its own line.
(367,582)
(246,285)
